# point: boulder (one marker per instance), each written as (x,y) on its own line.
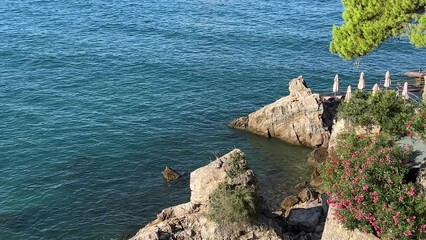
(177,211)
(317,156)
(304,219)
(307,194)
(170,175)
(316,180)
(289,202)
(296,119)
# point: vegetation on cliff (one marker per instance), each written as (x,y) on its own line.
(233,203)
(367,24)
(384,108)
(365,180)
(417,124)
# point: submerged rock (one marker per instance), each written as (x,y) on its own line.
(170,175)
(296,119)
(289,202)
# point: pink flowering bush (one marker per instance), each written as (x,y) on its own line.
(365,180)
(417,124)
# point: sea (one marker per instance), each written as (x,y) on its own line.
(97,97)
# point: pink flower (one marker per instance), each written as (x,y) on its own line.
(395,220)
(365,188)
(411,192)
(408,233)
(408,124)
(401,198)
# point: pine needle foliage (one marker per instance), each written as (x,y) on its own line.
(368,23)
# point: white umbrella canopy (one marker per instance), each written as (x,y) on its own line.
(387,80)
(405,91)
(361,82)
(348,94)
(376,88)
(336,84)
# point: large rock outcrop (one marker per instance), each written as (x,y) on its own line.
(296,119)
(190,221)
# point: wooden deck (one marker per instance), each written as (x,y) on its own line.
(419,76)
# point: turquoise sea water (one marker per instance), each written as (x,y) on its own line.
(97,97)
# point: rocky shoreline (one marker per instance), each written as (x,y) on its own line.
(302,118)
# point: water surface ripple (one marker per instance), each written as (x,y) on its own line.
(97,97)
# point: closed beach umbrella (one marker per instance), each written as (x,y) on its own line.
(336,84)
(375,88)
(387,80)
(348,94)
(405,91)
(361,83)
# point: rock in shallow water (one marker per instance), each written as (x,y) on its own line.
(296,119)
(190,221)
(171,175)
(289,202)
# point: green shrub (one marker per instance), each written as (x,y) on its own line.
(365,180)
(385,108)
(417,124)
(356,109)
(238,165)
(231,205)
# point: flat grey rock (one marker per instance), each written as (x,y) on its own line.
(419,149)
(304,219)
